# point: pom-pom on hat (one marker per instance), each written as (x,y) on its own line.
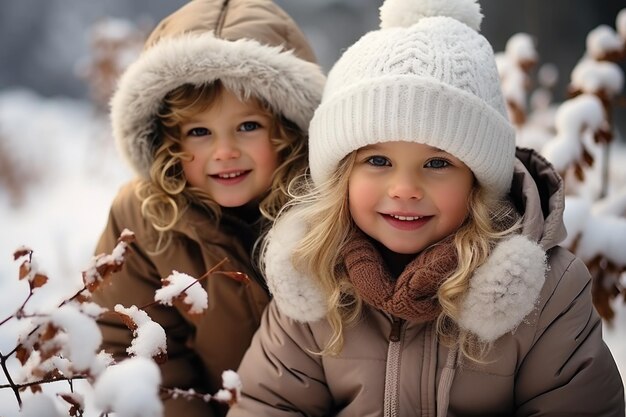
(426,76)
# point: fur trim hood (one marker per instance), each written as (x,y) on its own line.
(252,46)
(502,292)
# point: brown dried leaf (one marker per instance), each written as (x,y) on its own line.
(49,332)
(36,388)
(602,302)
(605,285)
(22,354)
(53,374)
(578,172)
(179,302)
(615,55)
(127,320)
(24,269)
(39,280)
(603,136)
(518,116)
(21,252)
(105,264)
(69,399)
(587,157)
(126,236)
(233,398)
(82,298)
(573,91)
(238,276)
(160,358)
(527,64)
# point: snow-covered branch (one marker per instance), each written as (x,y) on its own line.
(63,344)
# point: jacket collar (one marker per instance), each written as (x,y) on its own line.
(503,290)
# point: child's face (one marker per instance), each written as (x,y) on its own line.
(408,196)
(233,158)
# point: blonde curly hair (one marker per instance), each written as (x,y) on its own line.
(166,196)
(325,209)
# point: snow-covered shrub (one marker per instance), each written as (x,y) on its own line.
(62,343)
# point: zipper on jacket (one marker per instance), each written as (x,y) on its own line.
(220,19)
(396,328)
(392,370)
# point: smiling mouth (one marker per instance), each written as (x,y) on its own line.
(405,218)
(230,175)
(406,223)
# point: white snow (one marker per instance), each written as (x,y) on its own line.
(592,77)
(620,23)
(80,340)
(149,337)
(39,406)
(575,118)
(520,48)
(195,296)
(131,388)
(603,39)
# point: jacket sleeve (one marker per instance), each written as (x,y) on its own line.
(136,284)
(569,370)
(280,372)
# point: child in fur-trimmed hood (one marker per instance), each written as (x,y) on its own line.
(213,117)
(420,272)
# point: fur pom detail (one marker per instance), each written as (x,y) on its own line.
(504,289)
(296,295)
(405,13)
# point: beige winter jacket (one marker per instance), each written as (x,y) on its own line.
(254,48)
(551,361)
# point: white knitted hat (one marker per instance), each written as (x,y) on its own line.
(426,76)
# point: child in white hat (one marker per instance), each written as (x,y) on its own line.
(421,273)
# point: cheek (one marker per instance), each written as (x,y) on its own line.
(193,171)
(457,204)
(267,161)
(361,196)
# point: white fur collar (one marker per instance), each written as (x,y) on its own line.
(502,292)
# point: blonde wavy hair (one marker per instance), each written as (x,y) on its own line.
(325,209)
(166,196)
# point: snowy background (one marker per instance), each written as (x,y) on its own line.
(59,170)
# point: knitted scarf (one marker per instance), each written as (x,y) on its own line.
(413,295)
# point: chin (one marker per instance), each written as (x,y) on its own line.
(232,203)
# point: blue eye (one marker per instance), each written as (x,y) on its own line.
(249,126)
(378,161)
(437,163)
(198,131)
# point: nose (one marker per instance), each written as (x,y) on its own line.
(225,147)
(405,186)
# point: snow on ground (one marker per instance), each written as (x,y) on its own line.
(70,172)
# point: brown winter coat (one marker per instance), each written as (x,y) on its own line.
(554,361)
(199,349)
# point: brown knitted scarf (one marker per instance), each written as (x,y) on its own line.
(413,295)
